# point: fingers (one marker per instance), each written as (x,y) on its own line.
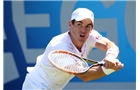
(109,64)
(114,64)
(118,66)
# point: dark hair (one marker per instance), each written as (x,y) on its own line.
(73,21)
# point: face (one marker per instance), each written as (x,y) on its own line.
(80,30)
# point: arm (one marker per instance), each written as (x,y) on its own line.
(108,46)
(112,52)
(93,73)
(104,44)
(97,72)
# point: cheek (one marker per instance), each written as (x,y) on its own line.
(87,34)
(74,30)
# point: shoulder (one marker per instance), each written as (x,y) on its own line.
(94,32)
(62,36)
(60,41)
(95,35)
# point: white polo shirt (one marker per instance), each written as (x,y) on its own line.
(53,78)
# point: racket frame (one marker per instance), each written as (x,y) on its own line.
(85,60)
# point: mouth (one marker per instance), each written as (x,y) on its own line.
(82,35)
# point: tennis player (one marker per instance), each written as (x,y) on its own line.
(80,39)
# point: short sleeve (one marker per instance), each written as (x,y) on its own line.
(94,37)
(62,46)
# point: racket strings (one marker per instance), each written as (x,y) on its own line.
(69,62)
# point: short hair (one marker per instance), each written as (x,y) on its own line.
(73,21)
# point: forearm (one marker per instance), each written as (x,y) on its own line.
(93,73)
(112,48)
(111,57)
(107,46)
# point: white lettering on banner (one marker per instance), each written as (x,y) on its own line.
(21,21)
(65,14)
(10,69)
(108,4)
(130,23)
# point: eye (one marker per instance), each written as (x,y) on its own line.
(88,26)
(80,25)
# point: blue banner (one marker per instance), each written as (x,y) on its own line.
(30,25)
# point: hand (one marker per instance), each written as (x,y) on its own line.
(112,63)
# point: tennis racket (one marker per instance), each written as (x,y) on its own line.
(71,62)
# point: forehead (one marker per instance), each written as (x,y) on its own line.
(85,21)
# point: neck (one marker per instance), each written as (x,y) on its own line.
(78,45)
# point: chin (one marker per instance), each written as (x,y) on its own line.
(82,41)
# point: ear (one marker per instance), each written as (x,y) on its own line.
(69,24)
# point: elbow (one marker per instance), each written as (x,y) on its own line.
(85,79)
(90,77)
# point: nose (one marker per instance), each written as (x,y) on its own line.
(83,29)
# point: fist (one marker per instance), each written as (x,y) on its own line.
(114,64)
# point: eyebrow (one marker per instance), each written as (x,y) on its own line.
(82,23)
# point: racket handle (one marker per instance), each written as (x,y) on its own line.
(107,71)
(102,63)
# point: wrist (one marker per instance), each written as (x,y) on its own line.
(112,52)
(110,56)
(107,71)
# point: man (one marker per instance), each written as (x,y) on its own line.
(80,39)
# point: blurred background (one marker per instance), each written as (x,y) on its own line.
(29,26)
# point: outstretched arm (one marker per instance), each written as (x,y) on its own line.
(112,52)
(111,65)
(93,73)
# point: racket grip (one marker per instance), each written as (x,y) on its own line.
(107,71)
(102,63)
